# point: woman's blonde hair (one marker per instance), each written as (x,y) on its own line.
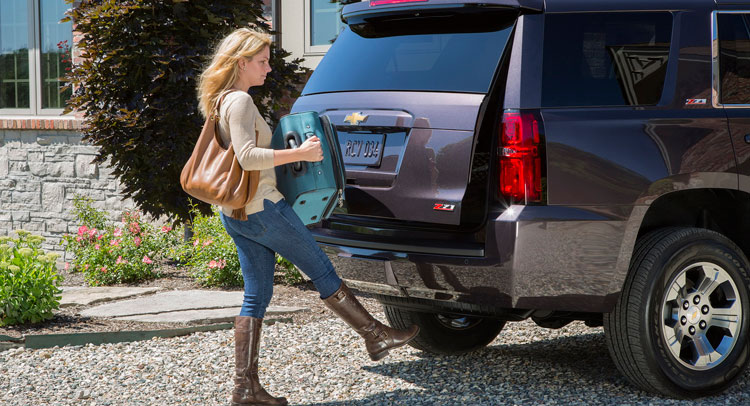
(223,70)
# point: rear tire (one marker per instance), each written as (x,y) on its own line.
(445,334)
(680,327)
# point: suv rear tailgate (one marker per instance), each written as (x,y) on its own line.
(405,91)
(424,168)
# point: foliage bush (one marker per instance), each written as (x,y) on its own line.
(213,258)
(137,86)
(29,283)
(290,275)
(124,252)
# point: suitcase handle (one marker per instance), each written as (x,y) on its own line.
(292,141)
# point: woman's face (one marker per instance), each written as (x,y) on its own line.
(253,70)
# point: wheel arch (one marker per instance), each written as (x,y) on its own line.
(726,211)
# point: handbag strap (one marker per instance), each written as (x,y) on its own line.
(215,117)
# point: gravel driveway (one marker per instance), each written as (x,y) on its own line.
(321,362)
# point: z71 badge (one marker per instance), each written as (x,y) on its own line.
(444,207)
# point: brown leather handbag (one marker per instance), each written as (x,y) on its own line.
(213,174)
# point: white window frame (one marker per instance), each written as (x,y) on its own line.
(312,50)
(35,66)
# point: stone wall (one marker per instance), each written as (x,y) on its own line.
(41,171)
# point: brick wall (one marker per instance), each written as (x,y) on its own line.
(43,165)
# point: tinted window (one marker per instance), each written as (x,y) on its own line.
(445,53)
(734,59)
(605,59)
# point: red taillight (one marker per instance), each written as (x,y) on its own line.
(520,161)
(384,2)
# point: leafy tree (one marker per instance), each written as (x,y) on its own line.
(136,85)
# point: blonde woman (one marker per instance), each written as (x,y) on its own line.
(240,62)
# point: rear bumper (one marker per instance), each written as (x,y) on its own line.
(534,257)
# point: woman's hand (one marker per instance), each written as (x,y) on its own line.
(310,150)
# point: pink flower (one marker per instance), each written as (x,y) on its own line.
(67,266)
(117,232)
(104,269)
(78,239)
(217,264)
(87,266)
(96,247)
(82,230)
(166,229)
(92,232)
(120,260)
(137,241)
(115,243)
(207,243)
(100,237)
(196,242)
(135,228)
(147,260)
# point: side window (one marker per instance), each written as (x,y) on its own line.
(734,58)
(34,56)
(605,59)
(323,20)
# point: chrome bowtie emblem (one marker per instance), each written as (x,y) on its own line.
(694,315)
(355,118)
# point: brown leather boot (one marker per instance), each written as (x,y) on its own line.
(247,389)
(379,338)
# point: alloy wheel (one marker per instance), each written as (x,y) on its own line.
(701,315)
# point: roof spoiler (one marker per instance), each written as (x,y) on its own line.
(360,7)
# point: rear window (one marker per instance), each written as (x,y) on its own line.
(605,59)
(446,52)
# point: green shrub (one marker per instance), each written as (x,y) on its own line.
(290,275)
(213,258)
(29,283)
(124,252)
(87,214)
(136,84)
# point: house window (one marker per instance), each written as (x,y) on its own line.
(323,24)
(269,13)
(34,55)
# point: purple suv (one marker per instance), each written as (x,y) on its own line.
(556,160)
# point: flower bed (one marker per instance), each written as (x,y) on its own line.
(124,252)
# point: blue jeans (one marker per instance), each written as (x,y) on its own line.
(276,229)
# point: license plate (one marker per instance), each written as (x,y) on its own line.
(362,149)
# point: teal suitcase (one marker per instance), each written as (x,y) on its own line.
(313,189)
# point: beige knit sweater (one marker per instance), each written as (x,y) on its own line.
(241,122)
